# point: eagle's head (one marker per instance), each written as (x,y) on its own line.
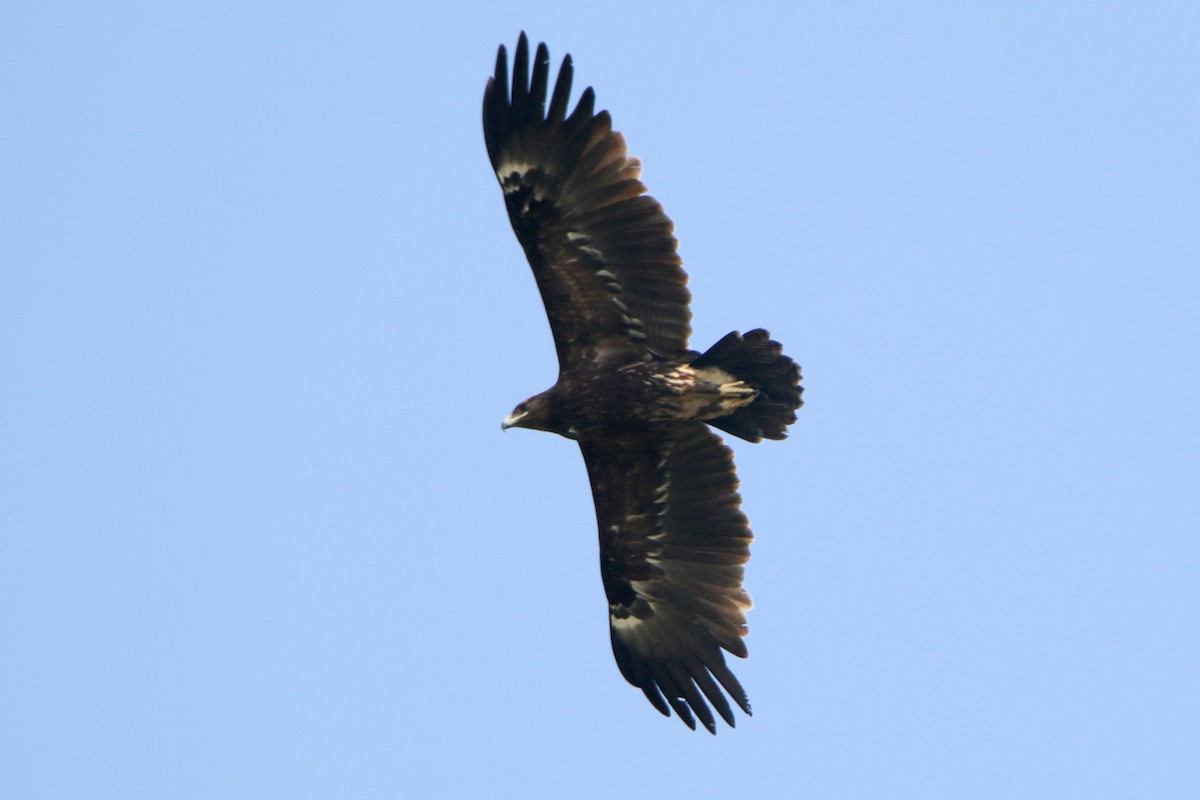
(540,413)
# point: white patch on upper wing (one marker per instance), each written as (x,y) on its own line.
(514,176)
(624,623)
(623,617)
(507,168)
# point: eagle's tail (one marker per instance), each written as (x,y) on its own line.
(760,363)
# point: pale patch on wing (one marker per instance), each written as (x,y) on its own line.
(507,169)
(628,617)
(515,176)
(623,624)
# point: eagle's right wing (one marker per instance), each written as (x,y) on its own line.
(602,251)
(672,544)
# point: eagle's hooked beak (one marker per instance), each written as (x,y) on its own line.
(512,419)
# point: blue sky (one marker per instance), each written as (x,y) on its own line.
(261,313)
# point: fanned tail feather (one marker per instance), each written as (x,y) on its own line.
(755,359)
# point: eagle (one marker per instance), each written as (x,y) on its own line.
(640,403)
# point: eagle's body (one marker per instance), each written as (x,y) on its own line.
(641,397)
(639,402)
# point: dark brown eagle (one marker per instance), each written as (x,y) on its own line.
(673,538)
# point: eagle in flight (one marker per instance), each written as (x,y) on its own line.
(673,538)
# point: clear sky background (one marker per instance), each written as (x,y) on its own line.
(261,313)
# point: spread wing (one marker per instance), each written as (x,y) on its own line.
(602,250)
(672,544)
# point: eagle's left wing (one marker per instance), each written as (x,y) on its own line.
(672,544)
